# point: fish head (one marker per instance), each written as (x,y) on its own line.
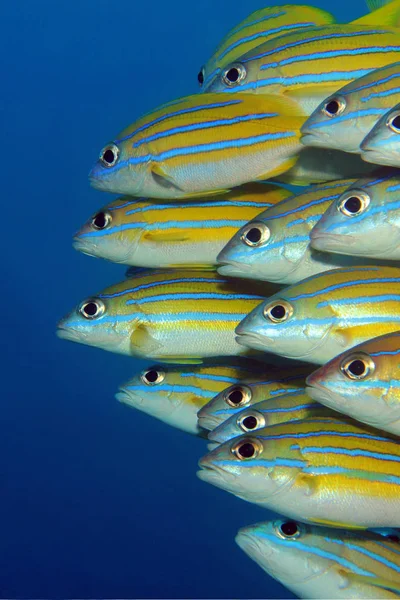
(151,392)
(294,553)
(359,222)
(107,234)
(248,467)
(362,381)
(381,145)
(225,404)
(290,323)
(121,168)
(244,254)
(340,122)
(237,76)
(103,320)
(247,421)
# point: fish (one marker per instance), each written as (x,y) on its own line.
(174,394)
(277,381)
(188,234)
(322,562)
(364,221)
(200,144)
(284,408)
(344,119)
(308,66)
(326,314)
(275,245)
(318,470)
(381,145)
(317,165)
(260,26)
(168,316)
(363,382)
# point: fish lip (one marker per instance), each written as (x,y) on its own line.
(246,540)
(65,333)
(128,398)
(83,246)
(213,473)
(261,341)
(317,140)
(330,238)
(230,267)
(208,422)
(214,436)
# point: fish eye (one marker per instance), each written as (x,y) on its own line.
(255,234)
(334,107)
(247,449)
(288,530)
(200,76)
(152,377)
(394,123)
(92,308)
(251,421)
(353,203)
(109,155)
(357,366)
(101,220)
(237,396)
(234,74)
(278,311)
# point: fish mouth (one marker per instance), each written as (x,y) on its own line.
(374,156)
(84,247)
(231,268)
(208,422)
(250,544)
(320,140)
(214,474)
(65,333)
(329,241)
(127,397)
(254,341)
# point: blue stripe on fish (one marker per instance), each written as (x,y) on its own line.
(203,125)
(346,452)
(367,112)
(360,300)
(160,226)
(183,111)
(368,553)
(178,389)
(196,296)
(146,286)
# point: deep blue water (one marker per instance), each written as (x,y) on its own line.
(97,500)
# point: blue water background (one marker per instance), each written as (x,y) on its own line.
(97,500)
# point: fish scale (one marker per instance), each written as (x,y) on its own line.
(167,315)
(312,64)
(318,470)
(189,233)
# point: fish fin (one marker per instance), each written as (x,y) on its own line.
(162,179)
(142,340)
(382,13)
(209,193)
(182,360)
(136,271)
(327,523)
(166,236)
(288,164)
(375,581)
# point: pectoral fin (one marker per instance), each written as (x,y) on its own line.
(143,341)
(162,179)
(166,236)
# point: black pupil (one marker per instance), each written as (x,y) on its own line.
(108,156)
(151,376)
(236,396)
(90,309)
(332,107)
(200,77)
(357,368)
(289,528)
(100,220)
(250,422)
(254,235)
(246,450)
(396,122)
(233,75)
(353,205)
(278,312)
